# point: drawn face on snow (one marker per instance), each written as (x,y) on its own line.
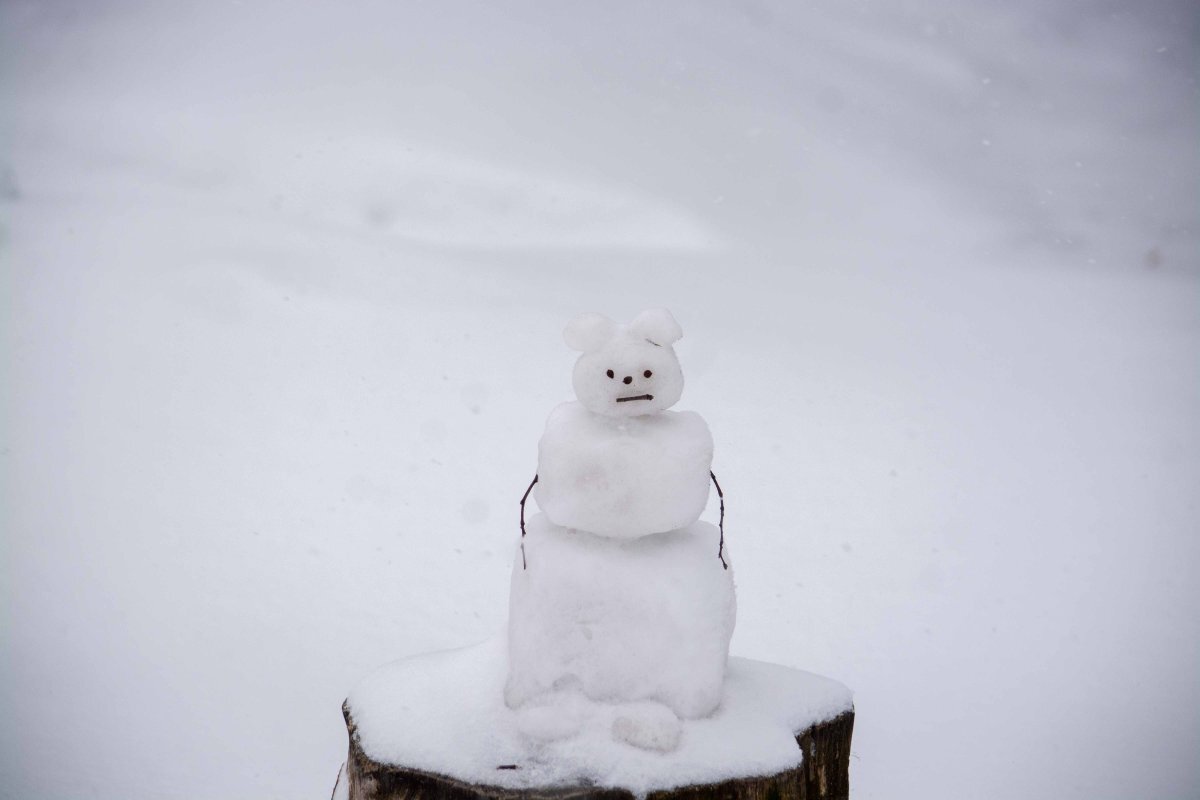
(626,370)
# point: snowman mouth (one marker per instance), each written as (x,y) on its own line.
(637,397)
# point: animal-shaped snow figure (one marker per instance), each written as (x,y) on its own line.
(621,600)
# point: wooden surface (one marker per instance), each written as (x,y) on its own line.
(824,775)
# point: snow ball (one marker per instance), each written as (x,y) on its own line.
(623,476)
(555,715)
(621,620)
(650,726)
(626,370)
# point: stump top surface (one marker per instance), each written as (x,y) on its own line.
(444,713)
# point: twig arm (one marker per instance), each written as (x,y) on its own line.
(721,523)
(525,497)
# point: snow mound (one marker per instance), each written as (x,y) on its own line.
(621,620)
(443,713)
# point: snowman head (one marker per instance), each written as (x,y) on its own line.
(626,370)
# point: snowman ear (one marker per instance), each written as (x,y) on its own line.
(658,326)
(589,332)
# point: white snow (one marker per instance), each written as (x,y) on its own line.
(621,619)
(626,603)
(623,476)
(649,725)
(628,370)
(443,713)
(281,285)
(341,787)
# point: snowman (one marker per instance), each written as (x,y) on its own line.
(622,603)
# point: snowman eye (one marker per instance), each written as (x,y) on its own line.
(647,373)
(609,373)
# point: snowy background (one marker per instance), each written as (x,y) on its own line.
(283,294)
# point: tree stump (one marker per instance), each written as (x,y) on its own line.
(436,727)
(823,775)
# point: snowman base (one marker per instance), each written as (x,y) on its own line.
(435,727)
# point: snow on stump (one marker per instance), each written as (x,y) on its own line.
(435,727)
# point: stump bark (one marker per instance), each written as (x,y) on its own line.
(823,775)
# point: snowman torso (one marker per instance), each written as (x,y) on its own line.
(623,477)
(621,620)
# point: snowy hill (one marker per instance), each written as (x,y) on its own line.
(284,287)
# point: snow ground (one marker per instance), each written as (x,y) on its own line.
(284,288)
